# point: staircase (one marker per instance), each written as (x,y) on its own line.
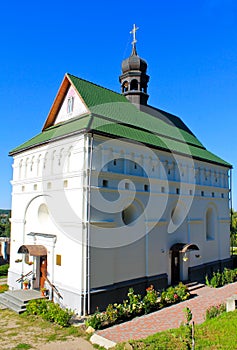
(17,300)
(192,286)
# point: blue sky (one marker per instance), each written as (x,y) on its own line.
(190,47)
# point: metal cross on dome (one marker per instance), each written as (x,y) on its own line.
(133,32)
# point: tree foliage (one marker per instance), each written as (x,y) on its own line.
(5,225)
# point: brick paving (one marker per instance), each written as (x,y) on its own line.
(170,317)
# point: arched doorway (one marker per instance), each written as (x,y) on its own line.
(39,268)
(178,252)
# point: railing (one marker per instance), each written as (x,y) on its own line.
(54,288)
(21,279)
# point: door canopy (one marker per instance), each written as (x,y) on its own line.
(34,250)
(183,247)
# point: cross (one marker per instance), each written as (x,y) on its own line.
(133,31)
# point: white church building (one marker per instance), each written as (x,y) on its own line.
(114,193)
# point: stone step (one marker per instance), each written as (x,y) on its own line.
(19,308)
(194,285)
(17,300)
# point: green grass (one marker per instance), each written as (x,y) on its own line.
(217,333)
(23,346)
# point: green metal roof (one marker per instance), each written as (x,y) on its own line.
(112,114)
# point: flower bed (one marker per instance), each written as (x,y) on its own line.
(135,305)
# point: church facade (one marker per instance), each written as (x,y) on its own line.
(114,193)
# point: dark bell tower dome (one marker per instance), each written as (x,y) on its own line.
(134,79)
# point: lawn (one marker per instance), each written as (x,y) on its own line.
(26,332)
(217,333)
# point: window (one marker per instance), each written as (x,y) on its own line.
(210,224)
(35,187)
(177,191)
(105,183)
(115,162)
(134,85)
(213,194)
(162,189)
(202,193)
(126,186)
(49,185)
(191,192)
(125,87)
(222,195)
(146,188)
(70,103)
(65,183)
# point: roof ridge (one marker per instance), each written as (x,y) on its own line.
(97,85)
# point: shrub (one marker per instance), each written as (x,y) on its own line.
(219,279)
(3,288)
(150,300)
(215,311)
(95,320)
(4,270)
(49,311)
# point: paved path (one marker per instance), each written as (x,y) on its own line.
(170,317)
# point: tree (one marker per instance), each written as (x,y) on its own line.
(5,227)
(233,229)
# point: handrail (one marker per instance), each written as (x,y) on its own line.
(23,276)
(53,287)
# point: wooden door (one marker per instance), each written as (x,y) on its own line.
(43,270)
(175,267)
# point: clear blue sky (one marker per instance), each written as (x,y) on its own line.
(190,47)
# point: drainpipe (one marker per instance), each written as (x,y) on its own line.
(231,210)
(90,149)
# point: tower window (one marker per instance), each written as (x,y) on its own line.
(134,85)
(125,86)
(115,162)
(70,103)
(213,194)
(177,190)
(202,193)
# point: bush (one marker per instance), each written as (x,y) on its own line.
(3,288)
(49,311)
(4,270)
(219,279)
(215,311)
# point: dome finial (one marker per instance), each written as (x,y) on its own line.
(133,32)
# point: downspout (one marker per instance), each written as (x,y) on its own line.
(231,211)
(90,149)
(84,235)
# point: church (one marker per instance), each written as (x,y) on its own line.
(114,193)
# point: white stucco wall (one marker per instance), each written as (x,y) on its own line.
(47,199)
(143,247)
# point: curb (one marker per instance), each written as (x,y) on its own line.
(97,339)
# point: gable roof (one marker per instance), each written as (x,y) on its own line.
(110,113)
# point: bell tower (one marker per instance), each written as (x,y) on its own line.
(134,79)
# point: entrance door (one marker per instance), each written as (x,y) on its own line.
(43,270)
(175,267)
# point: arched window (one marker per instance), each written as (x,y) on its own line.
(144,88)
(134,85)
(20,169)
(210,224)
(125,86)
